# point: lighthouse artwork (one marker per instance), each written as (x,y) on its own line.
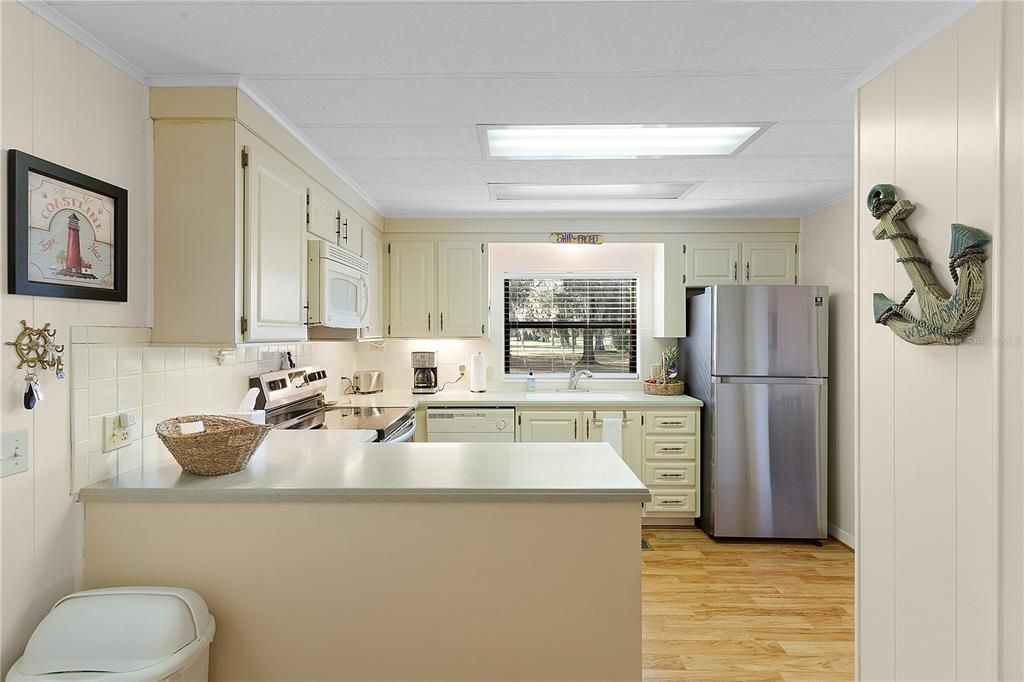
(70,232)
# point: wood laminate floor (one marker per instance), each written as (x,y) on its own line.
(745,610)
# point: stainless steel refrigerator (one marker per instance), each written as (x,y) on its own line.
(758,358)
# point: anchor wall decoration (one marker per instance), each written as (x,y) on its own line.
(944,318)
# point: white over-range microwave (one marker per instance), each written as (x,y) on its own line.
(338,287)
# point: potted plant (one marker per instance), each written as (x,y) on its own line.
(666,381)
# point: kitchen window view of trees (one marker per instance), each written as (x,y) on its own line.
(552,321)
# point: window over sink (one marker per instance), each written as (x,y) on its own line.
(553,320)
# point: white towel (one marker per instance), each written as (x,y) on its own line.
(611,432)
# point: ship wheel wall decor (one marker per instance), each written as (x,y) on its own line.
(944,318)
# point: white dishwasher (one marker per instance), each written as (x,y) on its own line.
(471,424)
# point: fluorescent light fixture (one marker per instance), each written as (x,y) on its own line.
(616,141)
(646,190)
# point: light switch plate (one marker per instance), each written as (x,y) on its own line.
(15,456)
(114,435)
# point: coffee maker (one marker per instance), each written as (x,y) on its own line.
(424,371)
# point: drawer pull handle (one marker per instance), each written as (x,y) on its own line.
(671,475)
(672,423)
(673,502)
(664,449)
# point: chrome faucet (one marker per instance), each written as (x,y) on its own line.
(576,374)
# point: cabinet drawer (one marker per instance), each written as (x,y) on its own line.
(670,473)
(671,422)
(670,447)
(678,501)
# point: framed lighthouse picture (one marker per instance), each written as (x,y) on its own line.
(67,232)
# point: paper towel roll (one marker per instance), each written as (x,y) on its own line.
(478,373)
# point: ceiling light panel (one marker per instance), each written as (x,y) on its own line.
(642,191)
(617,141)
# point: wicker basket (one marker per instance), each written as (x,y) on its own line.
(664,389)
(224,446)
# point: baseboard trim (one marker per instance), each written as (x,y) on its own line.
(842,536)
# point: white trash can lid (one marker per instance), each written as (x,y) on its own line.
(116,630)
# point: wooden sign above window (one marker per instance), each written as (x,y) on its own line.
(576,238)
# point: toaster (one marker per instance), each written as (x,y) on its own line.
(371,381)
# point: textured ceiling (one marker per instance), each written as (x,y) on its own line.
(393,91)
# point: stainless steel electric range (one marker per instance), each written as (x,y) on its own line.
(294,399)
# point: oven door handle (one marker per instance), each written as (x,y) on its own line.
(403,436)
(298,420)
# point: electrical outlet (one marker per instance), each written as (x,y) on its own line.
(117,430)
(14,458)
(462,370)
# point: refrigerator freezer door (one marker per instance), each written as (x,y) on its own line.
(770,331)
(770,465)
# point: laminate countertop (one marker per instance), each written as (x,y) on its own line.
(327,466)
(452,397)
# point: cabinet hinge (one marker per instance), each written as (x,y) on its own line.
(245,157)
(308,207)
(245,324)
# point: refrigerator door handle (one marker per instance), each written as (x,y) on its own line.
(821,381)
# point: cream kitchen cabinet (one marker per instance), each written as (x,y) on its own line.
(708,263)
(549,426)
(437,289)
(671,463)
(412,291)
(229,233)
(373,252)
(275,212)
(769,263)
(351,227)
(740,262)
(661,446)
(235,199)
(461,289)
(331,219)
(632,434)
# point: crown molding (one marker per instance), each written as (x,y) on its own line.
(829,204)
(50,15)
(912,42)
(47,13)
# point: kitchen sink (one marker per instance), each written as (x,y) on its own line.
(575,397)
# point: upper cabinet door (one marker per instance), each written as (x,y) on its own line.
(350,230)
(462,289)
(769,263)
(710,263)
(411,266)
(373,252)
(275,216)
(323,211)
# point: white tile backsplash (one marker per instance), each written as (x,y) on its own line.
(154,388)
(102,396)
(174,358)
(113,370)
(102,362)
(129,360)
(152,360)
(129,392)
